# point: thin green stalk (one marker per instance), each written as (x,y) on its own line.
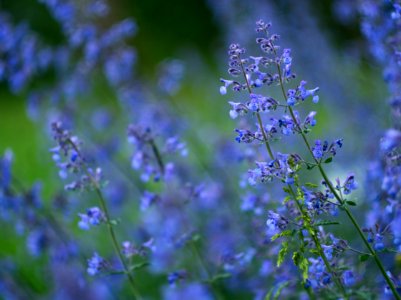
(333,190)
(362,235)
(266,142)
(198,256)
(110,228)
(313,233)
(114,241)
(193,247)
(158,156)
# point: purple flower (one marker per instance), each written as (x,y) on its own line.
(276,222)
(391,139)
(348,278)
(93,217)
(95,264)
(350,184)
(244,136)
(148,199)
(177,276)
(318,149)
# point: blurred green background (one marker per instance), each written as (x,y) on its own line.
(188,30)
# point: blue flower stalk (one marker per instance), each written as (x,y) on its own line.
(258,104)
(339,197)
(149,158)
(292,122)
(69,147)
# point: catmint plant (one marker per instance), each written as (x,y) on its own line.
(274,67)
(379,24)
(70,160)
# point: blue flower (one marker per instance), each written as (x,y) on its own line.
(95,264)
(317,150)
(348,278)
(350,184)
(93,217)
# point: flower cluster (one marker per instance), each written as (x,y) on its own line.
(304,206)
(68,148)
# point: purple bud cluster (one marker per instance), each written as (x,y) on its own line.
(69,159)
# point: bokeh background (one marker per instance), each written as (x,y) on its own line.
(328,47)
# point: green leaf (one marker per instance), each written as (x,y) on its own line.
(364,257)
(277,293)
(364,295)
(310,167)
(325,223)
(304,267)
(328,160)
(351,203)
(283,252)
(220,276)
(296,258)
(286,199)
(269,294)
(279,290)
(114,222)
(139,266)
(286,189)
(196,238)
(311,185)
(281,234)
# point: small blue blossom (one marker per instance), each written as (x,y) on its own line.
(93,217)
(328,251)
(223,88)
(95,264)
(177,276)
(350,184)
(276,222)
(304,93)
(378,243)
(244,136)
(238,109)
(317,150)
(310,120)
(348,278)
(391,139)
(148,199)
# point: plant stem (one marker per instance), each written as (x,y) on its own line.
(206,270)
(110,227)
(266,142)
(304,217)
(339,199)
(114,241)
(312,231)
(193,247)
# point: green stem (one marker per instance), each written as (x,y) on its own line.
(193,247)
(206,270)
(110,228)
(332,189)
(361,234)
(114,241)
(269,150)
(312,231)
(156,152)
(266,142)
